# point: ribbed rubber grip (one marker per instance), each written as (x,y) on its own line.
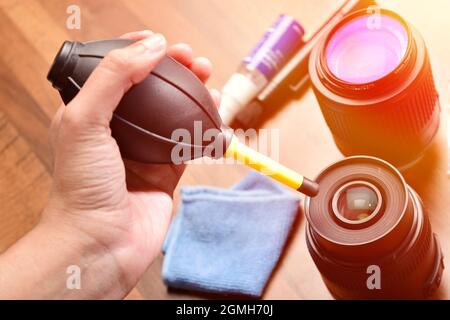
(401,129)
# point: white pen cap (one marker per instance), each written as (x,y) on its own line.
(236,94)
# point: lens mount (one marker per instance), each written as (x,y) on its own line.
(391,211)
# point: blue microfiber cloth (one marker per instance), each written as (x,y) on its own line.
(229,240)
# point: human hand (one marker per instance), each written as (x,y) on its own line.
(124,209)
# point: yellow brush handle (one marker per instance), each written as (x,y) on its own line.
(267,166)
(263,164)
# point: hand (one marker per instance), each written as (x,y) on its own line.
(125,209)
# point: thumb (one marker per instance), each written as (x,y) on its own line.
(116,73)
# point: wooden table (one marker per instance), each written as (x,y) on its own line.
(31,32)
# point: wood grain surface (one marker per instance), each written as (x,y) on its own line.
(31,32)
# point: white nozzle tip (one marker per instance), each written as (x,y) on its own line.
(229,108)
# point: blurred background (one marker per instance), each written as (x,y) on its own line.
(31,32)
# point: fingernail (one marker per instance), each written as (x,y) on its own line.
(155,43)
(204,61)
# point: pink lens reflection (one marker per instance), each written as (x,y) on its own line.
(364,50)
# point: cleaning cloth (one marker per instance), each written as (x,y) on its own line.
(229,240)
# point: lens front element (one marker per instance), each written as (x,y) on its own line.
(356,202)
(364,50)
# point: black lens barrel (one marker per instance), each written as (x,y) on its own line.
(399,241)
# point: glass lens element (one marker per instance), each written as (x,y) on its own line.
(366,49)
(357,202)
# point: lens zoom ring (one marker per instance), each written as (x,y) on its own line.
(404,124)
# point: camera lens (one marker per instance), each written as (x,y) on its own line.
(373,81)
(365,215)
